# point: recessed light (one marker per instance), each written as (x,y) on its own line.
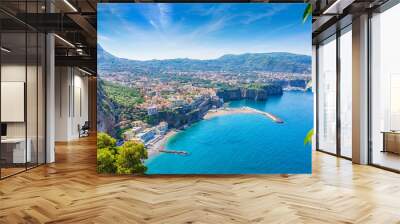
(70,5)
(86,72)
(5,50)
(64,40)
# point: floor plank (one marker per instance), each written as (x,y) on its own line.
(70,191)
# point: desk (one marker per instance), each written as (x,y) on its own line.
(391,141)
(13,150)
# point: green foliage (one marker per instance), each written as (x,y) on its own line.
(105,141)
(307,12)
(125,159)
(122,95)
(105,161)
(255,86)
(308,138)
(121,131)
(130,157)
(309,85)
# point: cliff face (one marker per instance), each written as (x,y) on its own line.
(105,112)
(254,94)
(299,83)
(273,90)
(260,93)
(182,116)
(230,94)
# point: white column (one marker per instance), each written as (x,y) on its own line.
(360,90)
(50,100)
(314,88)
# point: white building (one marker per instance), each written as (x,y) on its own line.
(146,135)
(152,110)
(162,128)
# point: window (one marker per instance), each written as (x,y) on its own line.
(346,92)
(327,95)
(385,89)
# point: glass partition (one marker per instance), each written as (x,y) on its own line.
(385,89)
(13,94)
(346,92)
(327,96)
(22,88)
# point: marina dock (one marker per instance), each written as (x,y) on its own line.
(174,152)
(274,118)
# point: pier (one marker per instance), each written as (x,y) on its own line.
(174,152)
(274,118)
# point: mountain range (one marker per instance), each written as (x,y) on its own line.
(266,62)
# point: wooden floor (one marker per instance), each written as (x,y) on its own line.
(70,191)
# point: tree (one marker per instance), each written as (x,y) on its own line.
(105,161)
(105,141)
(129,159)
(106,149)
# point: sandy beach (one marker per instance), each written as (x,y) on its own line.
(159,144)
(225,111)
(241,110)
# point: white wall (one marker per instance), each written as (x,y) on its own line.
(12,73)
(71,102)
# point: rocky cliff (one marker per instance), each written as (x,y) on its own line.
(298,83)
(259,93)
(181,116)
(105,112)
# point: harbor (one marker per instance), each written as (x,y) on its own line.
(178,152)
(273,117)
(242,110)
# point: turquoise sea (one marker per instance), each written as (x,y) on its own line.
(244,143)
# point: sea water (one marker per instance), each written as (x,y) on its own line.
(244,143)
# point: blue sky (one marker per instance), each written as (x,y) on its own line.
(145,31)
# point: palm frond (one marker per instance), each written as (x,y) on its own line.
(308,138)
(307,12)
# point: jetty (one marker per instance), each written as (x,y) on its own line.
(174,152)
(273,117)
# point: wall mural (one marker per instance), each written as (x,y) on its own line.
(212,88)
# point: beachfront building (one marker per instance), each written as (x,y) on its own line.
(146,135)
(131,133)
(162,128)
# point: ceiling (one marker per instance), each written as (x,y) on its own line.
(75,22)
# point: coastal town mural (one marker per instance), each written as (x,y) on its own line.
(212,88)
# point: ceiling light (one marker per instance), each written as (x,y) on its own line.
(337,7)
(70,5)
(5,50)
(84,71)
(64,40)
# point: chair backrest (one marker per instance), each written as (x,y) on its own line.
(86,125)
